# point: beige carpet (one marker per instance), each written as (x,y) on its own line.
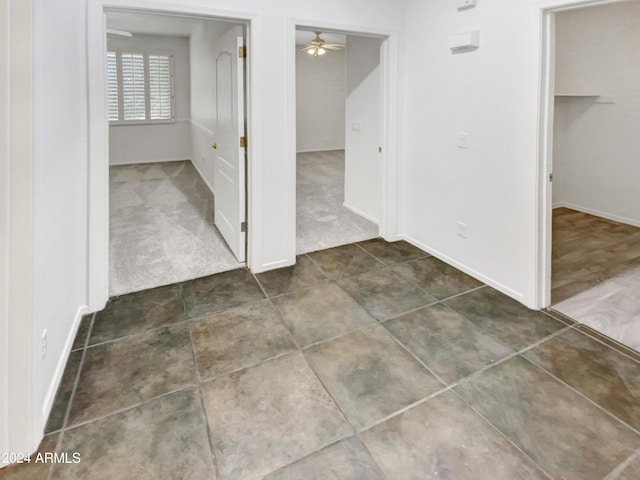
(322,221)
(161,227)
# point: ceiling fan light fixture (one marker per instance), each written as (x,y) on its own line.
(315,51)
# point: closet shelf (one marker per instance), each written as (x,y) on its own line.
(596,98)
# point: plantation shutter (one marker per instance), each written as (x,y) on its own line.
(133,96)
(112,86)
(159,87)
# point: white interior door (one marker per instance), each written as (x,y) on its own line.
(229,164)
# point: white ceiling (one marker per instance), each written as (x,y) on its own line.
(303,37)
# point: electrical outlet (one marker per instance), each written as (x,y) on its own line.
(463,140)
(44,343)
(461,229)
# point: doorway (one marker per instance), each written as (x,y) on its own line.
(339,103)
(593,218)
(177,166)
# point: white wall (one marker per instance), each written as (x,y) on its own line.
(203,94)
(363,167)
(159,142)
(320,101)
(596,161)
(493,95)
(60,197)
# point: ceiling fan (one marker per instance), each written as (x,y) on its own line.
(318,46)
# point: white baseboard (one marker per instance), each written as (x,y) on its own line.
(469,271)
(315,150)
(206,182)
(62,363)
(598,213)
(157,160)
(361,213)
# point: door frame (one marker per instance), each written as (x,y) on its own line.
(20,416)
(546,15)
(98,130)
(388,226)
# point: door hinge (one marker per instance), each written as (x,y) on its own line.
(242,52)
(551,177)
(243,142)
(243,227)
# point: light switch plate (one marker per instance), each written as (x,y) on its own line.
(464,41)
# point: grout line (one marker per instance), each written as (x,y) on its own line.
(209,436)
(406,349)
(295,342)
(184,387)
(326,281)
(77,379)
(357,244)
(307,455)
(591,401)
(372,457)
(502,434)
(185,307)
(185,321)
(468,377)
(623,465)
(471,290)
(72,395)
(194,355)
(612,347)
(402,314)
(510,356)
(313,261)
(335,337)
(404,409)
(245,367)
(139,333)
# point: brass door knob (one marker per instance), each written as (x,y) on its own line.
(213,145)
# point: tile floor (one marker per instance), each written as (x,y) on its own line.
(372,361)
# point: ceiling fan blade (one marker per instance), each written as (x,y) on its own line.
(333,46)
(306,47)
(122,33)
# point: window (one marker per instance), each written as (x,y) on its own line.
(140,87)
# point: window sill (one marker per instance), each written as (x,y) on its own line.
(128,123)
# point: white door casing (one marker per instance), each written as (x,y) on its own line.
(229,163)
